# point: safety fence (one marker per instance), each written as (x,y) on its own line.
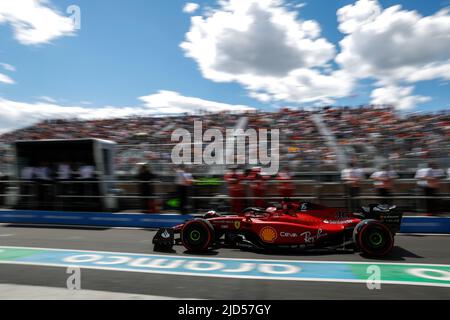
(209,194)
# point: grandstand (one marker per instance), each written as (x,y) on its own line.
(320,140)
(314,144)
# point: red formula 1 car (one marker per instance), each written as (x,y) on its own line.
(290,225)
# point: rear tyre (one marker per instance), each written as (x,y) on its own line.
(373,238)
(197,235)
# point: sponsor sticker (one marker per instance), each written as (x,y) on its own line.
(268,234)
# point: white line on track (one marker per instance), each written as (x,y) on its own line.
(21,292)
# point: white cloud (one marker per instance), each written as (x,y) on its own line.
(47,99)
(170,102)
(191,7)
(34,21)
(265,47)
(300,5)
(16,114)
(396,47)
(264,97)
(394,44)
(6,79)
(401,97)
(301,86)
(352,16)
(8,67)
(427,72)
(293,5)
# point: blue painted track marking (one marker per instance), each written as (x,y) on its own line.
(262,269)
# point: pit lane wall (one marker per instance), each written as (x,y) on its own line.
(91,219)
(431,225)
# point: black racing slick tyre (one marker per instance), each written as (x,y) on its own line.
(373,238)
(198,235)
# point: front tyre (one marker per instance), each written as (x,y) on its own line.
(197,235)
(373,238)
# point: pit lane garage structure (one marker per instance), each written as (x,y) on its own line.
(99,154)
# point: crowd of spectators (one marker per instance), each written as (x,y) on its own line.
(403,142)
(363,133)
(302,147)
(139,139)
(371,131)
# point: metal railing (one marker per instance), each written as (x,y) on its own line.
(85,195)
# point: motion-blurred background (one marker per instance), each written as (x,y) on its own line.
(339,156)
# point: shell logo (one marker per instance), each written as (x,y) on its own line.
(268,234)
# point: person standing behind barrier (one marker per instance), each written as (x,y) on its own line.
(88,187)
(285,185)
(26,184)
(384,182)
(352,178)
(258,187)
(429,182)
(63,177)
(64,172)
(27,173)
(86,172)
(184,181)
(44,179)
(146,177)
(236,190)
(3,179)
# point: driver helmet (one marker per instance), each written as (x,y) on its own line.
(211,214)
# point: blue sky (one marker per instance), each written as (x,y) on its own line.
(122,51)
(127,50)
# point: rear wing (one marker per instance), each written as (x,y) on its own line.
(391,216)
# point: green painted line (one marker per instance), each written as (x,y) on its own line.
(407,273)
(15,254)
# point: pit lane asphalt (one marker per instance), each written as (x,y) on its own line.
(409,249)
